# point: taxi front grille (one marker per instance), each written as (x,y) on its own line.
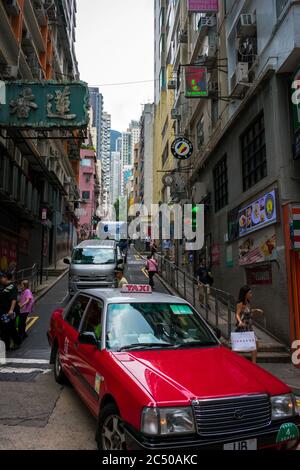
(233,415)
(92,278)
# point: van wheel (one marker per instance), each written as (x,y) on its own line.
(59,375)
(110,432)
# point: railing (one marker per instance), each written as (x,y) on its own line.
(218,306)
(28,274)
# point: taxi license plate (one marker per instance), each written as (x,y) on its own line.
(251,444)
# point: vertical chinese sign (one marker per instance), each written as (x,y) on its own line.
(196,82)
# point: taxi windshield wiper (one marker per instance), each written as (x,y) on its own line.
(146,346)
(196,344)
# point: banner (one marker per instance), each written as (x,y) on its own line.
(258,249)
(258,214)
(196,82)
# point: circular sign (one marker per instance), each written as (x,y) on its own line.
(182,148)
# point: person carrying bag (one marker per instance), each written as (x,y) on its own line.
(244,339)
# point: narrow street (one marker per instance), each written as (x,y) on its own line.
(35,412)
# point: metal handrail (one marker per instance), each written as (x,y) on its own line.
(217,305)
(30,274)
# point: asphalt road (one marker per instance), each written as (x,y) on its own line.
(35,412)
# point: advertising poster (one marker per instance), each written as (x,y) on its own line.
(196,82)
(259,214)
(258,249)
(8,253)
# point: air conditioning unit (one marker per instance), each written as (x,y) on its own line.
(175,114)
(240,78)
(206,22)
(68,179)
(246,25)
(12,7)
(183,37)
(212,50)
(172,84)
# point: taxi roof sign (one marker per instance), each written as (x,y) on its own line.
(136,289)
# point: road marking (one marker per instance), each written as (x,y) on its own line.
(30,322)
(26,361)
(10,370)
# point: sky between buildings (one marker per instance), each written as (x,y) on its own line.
(115,43)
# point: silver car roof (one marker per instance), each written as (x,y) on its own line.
(97,244)
(116,296)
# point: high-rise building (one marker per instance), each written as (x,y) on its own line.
(115,176)
(105,156)
(96,102)
(114,136)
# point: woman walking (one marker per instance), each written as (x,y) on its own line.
(26,308)
(245,314)
(152,268)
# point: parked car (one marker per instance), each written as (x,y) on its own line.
(155,376)
(92,265)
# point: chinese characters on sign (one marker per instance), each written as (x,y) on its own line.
(44,105)
(196,82)
(203,6)
(259,214)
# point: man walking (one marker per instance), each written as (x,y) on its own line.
(9,309)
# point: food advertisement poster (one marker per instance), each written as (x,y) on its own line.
(259,214)
(258,249)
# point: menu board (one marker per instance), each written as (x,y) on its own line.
(259,214)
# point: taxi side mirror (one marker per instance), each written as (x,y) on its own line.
(88,339)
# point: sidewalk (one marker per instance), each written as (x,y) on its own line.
(51,276)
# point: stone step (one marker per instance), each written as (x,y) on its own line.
(270,357)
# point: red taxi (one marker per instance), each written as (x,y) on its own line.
(156,377)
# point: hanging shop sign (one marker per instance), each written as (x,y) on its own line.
(44,105)
(260,275)
(258,248)
(204,6)
(259,214)
(182,148)
(196,84)
(295,227)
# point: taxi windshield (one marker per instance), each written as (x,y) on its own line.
(149,326)
(93,256)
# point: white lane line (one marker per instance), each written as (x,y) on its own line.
(10,370)
(8,360)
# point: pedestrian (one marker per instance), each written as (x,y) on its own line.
(205,280)
(147,244)
(152,268)
(121,279)
(154,248)
(9,310)
(245,314)
(26,308)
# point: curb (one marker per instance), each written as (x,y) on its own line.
(49,288)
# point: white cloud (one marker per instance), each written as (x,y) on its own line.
(115,43)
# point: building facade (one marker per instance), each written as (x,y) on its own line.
(39,172)
(105,160)
(115,186)
(97,103)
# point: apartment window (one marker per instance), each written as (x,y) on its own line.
(165,154)
(86,195)
(221,184)
(200,133)
(162,78)
(86,162)
(280,6)
(254,153)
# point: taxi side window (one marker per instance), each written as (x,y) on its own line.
(93,319)
(75,314)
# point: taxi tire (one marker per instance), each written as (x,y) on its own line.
(59,375)
(108,410)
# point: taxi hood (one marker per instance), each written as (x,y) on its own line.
(174,377)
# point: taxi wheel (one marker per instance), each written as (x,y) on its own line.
(58,372)
(110,433)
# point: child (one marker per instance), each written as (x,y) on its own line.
(26,308)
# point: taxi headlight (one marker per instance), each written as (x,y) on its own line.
(283,406)
(168,421)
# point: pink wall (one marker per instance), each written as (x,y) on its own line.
(87,184)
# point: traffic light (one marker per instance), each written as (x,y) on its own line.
(195,210)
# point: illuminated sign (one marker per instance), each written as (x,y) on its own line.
(182,148)
(259,214)
(203,6)
(196,82)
